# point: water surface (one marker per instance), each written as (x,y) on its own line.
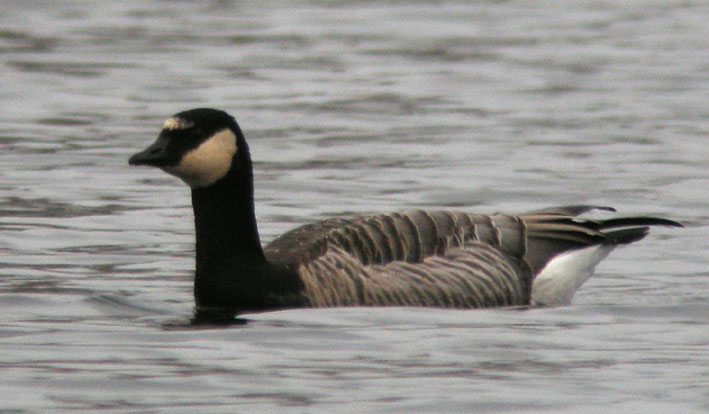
(350,108)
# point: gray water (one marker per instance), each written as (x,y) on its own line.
(350,108)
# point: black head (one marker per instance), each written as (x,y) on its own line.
(197,146)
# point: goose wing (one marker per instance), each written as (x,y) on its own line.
(438,258)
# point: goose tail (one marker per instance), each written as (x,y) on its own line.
(559,279)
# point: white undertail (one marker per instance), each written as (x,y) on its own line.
(564,274)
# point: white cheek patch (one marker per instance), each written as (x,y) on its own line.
(175,123)
(206,164)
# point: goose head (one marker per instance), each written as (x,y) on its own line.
(200,146)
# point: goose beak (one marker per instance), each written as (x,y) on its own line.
(155,155)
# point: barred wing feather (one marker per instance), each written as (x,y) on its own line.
(438,258)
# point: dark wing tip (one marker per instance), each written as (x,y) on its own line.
(667,222)
(638,221)
(635,229)
(625,236)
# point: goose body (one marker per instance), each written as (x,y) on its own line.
(412,258)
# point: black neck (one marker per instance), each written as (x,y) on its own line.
(232,271)
(225,218)
(230,259)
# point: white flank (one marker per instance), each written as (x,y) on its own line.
(206,164)
(175,122)
(565,273)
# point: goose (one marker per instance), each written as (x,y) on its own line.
(412,258)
